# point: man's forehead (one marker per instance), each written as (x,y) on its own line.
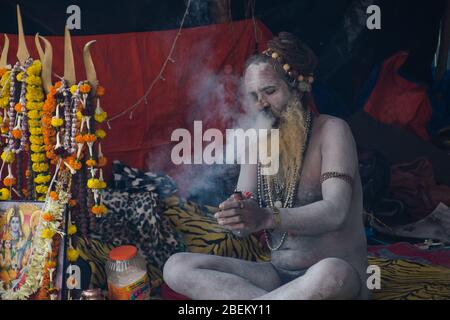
(259,76)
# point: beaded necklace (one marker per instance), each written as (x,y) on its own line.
(273,195)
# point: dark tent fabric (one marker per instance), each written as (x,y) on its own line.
(203,79)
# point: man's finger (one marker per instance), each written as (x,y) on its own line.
(230,221)
(226,214)
(230,205)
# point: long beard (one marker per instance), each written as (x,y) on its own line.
(292,139)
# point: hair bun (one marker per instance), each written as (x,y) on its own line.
(294,52)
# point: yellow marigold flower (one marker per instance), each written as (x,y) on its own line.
(79,116)
(100,133)
(57,122)
(100,117)
(34,91)
(37,148)
(34,97)
(47,233)
(41,179)
(72,229)
(38,157)
(72,254)
(34,81)
(8,156)
(73,89)
(37,139)
(34,122)
(4,101)
(33,105)
(35,68)
(36,131)
(96,184)
(42,189)
(4,194)
(34,114)
(19,76)
(41,198)
(39,167)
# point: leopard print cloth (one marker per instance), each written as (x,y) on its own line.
(134,215)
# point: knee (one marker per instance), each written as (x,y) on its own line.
(174,267)
(338,278)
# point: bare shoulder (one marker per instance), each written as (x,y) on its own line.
(331,128)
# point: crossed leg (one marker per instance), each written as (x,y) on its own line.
(208,277)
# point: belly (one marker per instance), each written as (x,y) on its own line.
(302,252)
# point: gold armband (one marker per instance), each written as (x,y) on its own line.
(333,174)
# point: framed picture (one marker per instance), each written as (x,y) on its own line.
(18,224)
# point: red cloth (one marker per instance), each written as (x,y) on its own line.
(208,58)
(413,183)
(398,101)
(404,250)
(169,294)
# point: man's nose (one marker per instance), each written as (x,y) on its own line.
(262,104)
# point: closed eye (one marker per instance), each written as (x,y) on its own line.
(269,91)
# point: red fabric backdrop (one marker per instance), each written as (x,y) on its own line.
(399,101)
(198,85)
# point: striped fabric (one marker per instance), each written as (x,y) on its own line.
(409,280)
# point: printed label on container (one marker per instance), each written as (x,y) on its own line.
(139,290)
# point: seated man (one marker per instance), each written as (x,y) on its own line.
(311,209)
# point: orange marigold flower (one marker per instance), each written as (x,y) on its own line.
(100,91)
(76,165)
(91,163)
(47,121)
(54,195)
(89,137)
(50,264)
(72,203)
(85,88)
(50,155)
(47,216)
(79,138)
(17,133)
(25,192)
(102,161)
(8,182)
(18,107)
(58,85)
(99,210)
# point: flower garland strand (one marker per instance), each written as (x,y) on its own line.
(34,104)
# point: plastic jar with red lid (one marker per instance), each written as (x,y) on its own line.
(126,273)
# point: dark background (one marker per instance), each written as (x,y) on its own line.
(335,29)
